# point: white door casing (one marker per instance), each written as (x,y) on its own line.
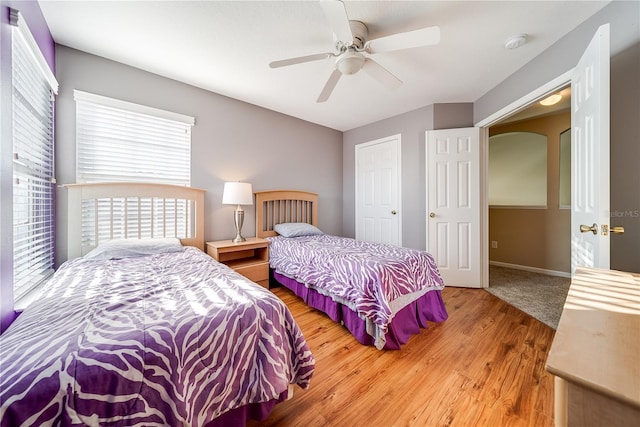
(590,155)
(378,191)
(453,204)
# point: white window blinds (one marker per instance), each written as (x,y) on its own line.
(120,141)
(33,87)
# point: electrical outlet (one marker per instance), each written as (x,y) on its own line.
(494,244)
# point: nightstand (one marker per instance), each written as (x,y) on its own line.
(249,258)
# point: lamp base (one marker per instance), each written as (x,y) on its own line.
(238,239)
(239,220)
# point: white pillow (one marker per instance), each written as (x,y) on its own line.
(296,229)
(128,248)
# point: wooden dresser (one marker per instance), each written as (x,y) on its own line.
(595,354)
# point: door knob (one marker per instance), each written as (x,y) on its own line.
(586,228)
(393,212)
(617,230)
(432,215)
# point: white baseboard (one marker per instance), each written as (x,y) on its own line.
(532,269)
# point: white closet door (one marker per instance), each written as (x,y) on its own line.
(378,190)
(453,204)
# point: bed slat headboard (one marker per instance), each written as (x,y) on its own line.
(103,211)
(278,206)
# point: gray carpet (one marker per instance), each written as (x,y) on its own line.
(539,295)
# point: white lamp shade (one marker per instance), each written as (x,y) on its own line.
(237,193)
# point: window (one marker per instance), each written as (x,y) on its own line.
(33,88)
(565,169)
(117,141)
(518,169)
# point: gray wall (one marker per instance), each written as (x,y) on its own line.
(231,141)
(625,158)
(624,18)
(411,126)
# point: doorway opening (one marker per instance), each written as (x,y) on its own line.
(529,212)
(529,236)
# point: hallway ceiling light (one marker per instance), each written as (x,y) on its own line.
(551,100)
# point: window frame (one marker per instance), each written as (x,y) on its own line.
(33,165)
(100,119)
(120,141)
(520,142)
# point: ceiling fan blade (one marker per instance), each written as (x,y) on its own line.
(338,20)
(299,60)
(381,74)
(329,86)
(423,37)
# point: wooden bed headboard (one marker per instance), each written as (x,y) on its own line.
(100,212)
(278,206)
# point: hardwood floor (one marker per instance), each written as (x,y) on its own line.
(484,366)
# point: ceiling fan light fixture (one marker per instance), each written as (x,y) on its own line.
(350,62)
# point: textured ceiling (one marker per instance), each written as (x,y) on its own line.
(226,46)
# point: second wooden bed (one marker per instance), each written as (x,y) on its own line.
(383,294)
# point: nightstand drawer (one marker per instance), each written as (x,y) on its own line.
(254,272)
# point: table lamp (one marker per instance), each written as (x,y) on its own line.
(237,193)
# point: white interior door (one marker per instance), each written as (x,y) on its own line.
(378,189)
(590,156)
(453,204)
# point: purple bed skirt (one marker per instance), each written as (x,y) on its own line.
(407,322)
(253,411)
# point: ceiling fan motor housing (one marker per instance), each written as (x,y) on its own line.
(360,33)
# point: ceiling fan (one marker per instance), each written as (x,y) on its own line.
(351,45)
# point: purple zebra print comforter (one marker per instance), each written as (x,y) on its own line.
(174,339)
(374,280)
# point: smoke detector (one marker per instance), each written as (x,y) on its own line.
(515,42)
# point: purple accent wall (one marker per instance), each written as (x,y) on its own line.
(32,13)
(37,25)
